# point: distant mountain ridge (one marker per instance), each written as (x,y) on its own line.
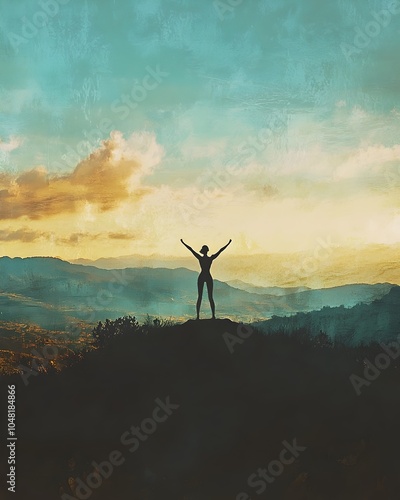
(270,290)
(342,265)
(377,321)
(54,293)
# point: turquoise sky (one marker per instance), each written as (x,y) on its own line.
(226,78)
(304,71)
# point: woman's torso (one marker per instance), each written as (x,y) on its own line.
(205,264)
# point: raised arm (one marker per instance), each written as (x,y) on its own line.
(191,249)
(221,250)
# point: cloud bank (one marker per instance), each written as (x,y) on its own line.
(108,176)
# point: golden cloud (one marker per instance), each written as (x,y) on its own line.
(103,179)
(121,236)
(78,238)
(22,234)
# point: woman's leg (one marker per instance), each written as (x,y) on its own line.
(210,286)
(200,285)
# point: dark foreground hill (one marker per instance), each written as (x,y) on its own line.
(198,411)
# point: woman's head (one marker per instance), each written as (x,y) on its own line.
(204,249)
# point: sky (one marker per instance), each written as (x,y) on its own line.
(127,125)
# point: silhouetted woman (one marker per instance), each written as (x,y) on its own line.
(205,275)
